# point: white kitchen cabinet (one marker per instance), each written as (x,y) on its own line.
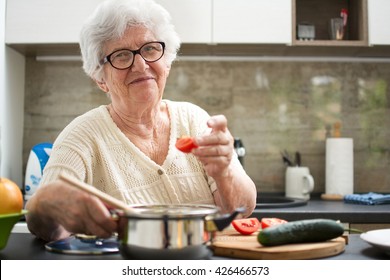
(378,22)
(192,19)
(228,21)
(60,21)
(46,21)
(196,21)
(252,21)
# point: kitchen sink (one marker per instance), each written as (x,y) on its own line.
(264,202)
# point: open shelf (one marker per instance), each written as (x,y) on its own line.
(319,12)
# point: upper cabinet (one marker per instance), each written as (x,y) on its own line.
(277,27)
(46,21)
(379,22)
(252,21)
(59,22)
(192,19)
(231,21)
(196,21)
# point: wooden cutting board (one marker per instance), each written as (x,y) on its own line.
(234,245)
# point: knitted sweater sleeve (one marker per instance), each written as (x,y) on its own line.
(72,152)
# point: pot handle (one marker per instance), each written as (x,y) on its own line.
(221,222)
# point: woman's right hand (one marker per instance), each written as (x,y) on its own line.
(57,209)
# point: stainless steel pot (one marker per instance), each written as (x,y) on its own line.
(162,231)
(170,231)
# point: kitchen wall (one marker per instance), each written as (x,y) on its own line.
(270,105)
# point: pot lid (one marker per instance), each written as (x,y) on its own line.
(174,211)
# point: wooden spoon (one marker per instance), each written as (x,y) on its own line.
(112,201)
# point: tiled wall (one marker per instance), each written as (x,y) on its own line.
(271,106)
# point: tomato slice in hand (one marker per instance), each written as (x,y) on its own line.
(268,222)
(246,226)
(185,144)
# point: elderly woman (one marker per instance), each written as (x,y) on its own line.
(127,148)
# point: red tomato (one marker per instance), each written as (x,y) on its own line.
(185,144)
(267,222)
(246,226)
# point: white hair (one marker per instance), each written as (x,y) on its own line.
(110,20)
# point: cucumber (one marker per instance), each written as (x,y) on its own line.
(303,231)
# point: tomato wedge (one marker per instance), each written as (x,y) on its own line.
(268,222)
(185,144)
(246,226)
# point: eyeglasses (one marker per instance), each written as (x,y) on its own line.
(124,58)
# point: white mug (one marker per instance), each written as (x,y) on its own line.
(299,182)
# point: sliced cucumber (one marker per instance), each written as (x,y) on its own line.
(303,231)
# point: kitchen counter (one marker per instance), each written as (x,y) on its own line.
(336,210)
(24,246)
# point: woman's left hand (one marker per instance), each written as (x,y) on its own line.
(215,150)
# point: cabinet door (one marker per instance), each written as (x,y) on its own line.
(192,19)
(46,21)
(54,21)
(379,22)
(252,21)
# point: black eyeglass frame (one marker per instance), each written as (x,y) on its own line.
(108,57)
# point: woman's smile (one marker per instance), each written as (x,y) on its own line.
(141,80)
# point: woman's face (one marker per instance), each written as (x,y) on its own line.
(141,84)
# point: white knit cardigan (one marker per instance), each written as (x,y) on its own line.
(93,149)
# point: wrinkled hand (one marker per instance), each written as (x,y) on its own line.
(216,149)
(75,210)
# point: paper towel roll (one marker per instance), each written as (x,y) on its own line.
(339,166)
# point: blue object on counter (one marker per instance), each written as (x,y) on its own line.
(370,198)
(39,155)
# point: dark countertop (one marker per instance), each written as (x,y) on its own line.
(24,246)
(337,210)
